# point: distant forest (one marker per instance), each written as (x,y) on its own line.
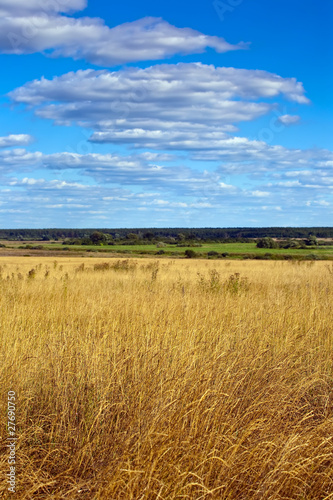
(148,234)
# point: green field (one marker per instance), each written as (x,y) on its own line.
(235,250)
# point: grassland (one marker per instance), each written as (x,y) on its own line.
(168,379)
(234,250)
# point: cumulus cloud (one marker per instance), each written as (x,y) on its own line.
(19,157)
(171,84)
(38,7)
(289,119)
(174,106)
(39,26)
(15,140)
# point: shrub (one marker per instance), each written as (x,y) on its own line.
(32,273)
(249,256)
(80,268)
(236,284)
(291,244)
(311,256)
(266,243)
(190,254)
(102,266)
(124,265)
(311,240)
(212,283)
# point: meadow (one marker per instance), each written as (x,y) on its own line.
(231,250)
(146,379)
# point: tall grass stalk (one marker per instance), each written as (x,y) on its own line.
(138,383)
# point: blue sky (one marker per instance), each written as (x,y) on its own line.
(166,114)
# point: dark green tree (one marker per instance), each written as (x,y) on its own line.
(266,243)
(190,254)
(97,238)
(311,241)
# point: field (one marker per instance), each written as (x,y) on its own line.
(234,250)
(144,379)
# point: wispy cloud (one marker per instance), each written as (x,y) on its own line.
(278,167)
(289,119)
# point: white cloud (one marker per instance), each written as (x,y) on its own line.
(44,184)
(323,203)
(277,208)
(176,84)
(225,186)
(289,184)
(18,8)
(15,140)
(239,156)
(260,194)
(112,170)
(289,119)
(181,106)
(246,156)
(19,158)
(29,27)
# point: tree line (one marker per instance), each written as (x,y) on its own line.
(159,234)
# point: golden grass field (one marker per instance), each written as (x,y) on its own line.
(168,379)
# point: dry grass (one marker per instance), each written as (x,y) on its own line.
(142,379)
